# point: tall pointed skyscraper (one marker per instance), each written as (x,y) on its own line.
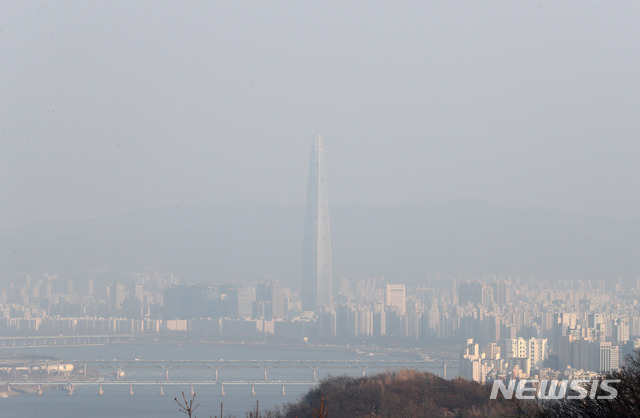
(316,250)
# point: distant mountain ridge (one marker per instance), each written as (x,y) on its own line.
(248,242)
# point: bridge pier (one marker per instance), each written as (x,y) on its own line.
(444,370)
(222,390)
(130,390)
(215,370)
(166,371)
(265,368)
(119,371)
(100,391)
(253,390)
(191,390)
(364,368)
(283,392)
(161,390)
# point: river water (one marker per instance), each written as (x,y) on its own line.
(147,402)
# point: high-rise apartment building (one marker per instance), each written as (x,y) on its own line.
(471,365)
(395,298)
(246,296)
(269,300)
(620,333)
(117,296)
(604,356)
(500,292)
(316,250)
(534,349)
(477,293)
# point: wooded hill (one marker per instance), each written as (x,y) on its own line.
(405,393)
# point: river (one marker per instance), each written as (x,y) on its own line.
(146,400)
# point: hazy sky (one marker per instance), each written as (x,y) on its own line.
(112,106)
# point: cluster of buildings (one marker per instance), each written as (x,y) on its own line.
(507,327)
(532,358)
(572,329)
(153,303)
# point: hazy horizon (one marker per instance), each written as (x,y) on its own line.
(120,118)
(114,107)
(245,242)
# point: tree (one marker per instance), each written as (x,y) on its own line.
(625,404)
(186,407)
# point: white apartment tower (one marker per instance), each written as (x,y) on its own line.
(395,298)
(534,349)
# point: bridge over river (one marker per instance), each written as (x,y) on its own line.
(208,372)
